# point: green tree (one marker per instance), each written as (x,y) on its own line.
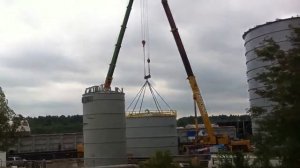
(182,122)
(55,124)
(9,122)
(159,160)
(278,133)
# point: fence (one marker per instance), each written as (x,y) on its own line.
(57,163)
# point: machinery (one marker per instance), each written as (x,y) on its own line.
(211,138)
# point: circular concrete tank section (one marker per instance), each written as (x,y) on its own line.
(279,31)
(150,132)
(104,127)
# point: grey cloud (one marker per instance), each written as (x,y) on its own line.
(48,108)
(37,61)
(79,52)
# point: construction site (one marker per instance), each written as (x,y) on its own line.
(118,136)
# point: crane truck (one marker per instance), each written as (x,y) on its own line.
(211,138)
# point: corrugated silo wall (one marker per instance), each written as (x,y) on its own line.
(279,31)
(104,127)
(149,134)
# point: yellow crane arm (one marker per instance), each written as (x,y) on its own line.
(202,109)
(211,138)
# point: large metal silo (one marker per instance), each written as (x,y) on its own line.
(104,127)
(280,31)
(149,132)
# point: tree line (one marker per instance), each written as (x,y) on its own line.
(55,124)
(74,123)
(182,122)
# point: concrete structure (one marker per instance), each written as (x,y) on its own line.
(151,131)
(47,143)
(279,31)
(104,127)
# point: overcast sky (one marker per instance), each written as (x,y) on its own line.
(51,50)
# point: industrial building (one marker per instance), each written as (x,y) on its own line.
(47,146)
(280,31)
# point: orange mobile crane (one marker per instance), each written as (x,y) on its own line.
(211,138)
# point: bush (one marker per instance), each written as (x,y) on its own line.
(159,160)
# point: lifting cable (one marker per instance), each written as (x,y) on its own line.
(145,37)
(138,100)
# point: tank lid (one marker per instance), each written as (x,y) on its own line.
(152,113)
(267,23)
(94,89)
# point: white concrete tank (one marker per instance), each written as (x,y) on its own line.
(280,31)
(151,131)
(104,127)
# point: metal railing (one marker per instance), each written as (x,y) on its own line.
(152,113)
(133,162)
